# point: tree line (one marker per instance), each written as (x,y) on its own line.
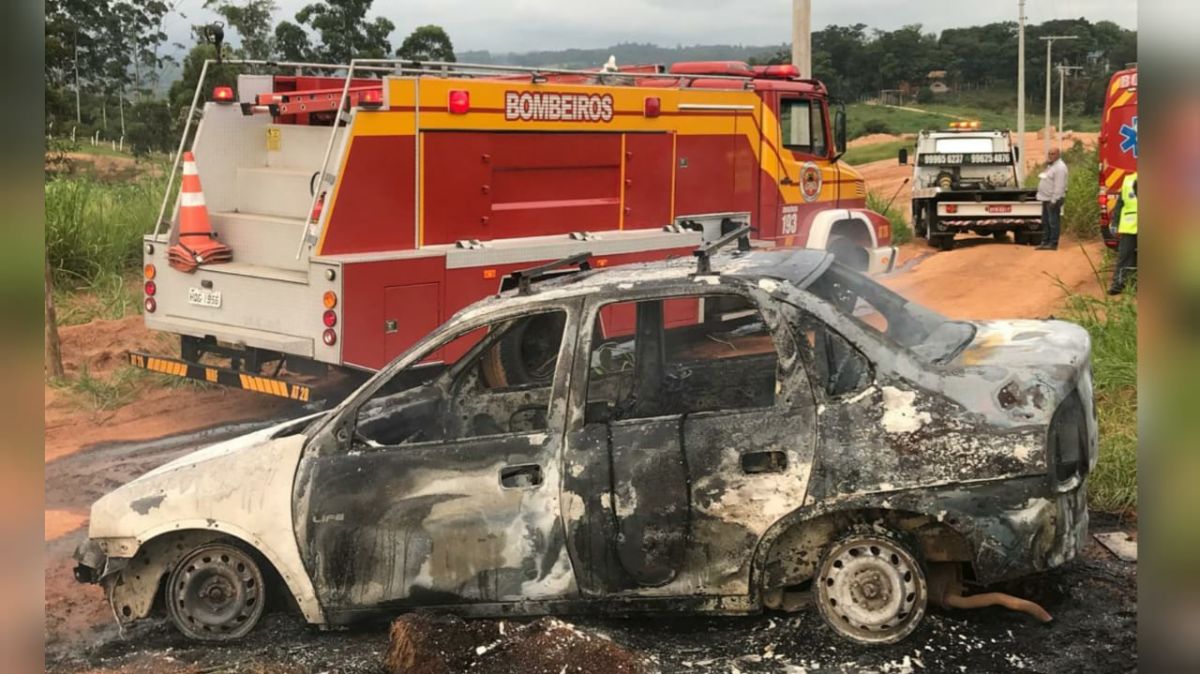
(105,58)
(856,62)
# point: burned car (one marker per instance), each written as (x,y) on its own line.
(718,436)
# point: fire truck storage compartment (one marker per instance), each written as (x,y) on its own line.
(373,209)
(410,312)
(255,175)
(718,171)
(489,185)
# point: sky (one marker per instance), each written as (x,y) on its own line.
(531,25)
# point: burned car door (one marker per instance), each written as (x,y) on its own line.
(697,434)
(447,493)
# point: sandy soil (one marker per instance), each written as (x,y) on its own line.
(88,452)
(885,176)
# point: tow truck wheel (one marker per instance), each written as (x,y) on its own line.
(1000,235)
(870,588)
(216,593)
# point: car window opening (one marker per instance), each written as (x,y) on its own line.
(489,381)
(679,356)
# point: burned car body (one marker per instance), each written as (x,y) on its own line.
(641,438)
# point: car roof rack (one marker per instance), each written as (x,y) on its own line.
(526,277)
(704,253)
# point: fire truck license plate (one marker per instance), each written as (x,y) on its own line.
(1000,208)
(204,298)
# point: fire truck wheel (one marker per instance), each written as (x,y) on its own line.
(848,253)
(942,241)
(527,354)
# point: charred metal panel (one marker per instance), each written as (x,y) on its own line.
(588,513)
(650,498)
(415,525)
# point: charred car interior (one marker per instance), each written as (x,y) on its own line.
(718,437)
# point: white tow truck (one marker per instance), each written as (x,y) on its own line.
(967,179)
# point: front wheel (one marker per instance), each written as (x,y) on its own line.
(870,588)
(216,593)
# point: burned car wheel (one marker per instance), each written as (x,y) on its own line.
(870,588)
(216,593)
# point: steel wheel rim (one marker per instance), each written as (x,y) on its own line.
(871,589)
(216,593)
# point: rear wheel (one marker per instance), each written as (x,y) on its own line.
(216,593)
(942,241)
(1000,235)
(921,221)
(870,588)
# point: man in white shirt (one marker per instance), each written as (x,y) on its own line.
(1052,192)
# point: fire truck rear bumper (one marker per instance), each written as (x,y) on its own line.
(219,375)
(881,260)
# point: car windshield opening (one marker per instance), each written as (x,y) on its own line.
(927,334)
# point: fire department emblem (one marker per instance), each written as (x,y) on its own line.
(810,181)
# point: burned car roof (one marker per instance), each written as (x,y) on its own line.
(798,267)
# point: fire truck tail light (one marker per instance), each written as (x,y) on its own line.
(151,288)
(149,271)
(329,299)
(151,305)
(652,107)
(459,102)
(372,98)
(223,94)
(329,337)
(329,318)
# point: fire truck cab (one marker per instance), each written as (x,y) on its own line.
(362,212)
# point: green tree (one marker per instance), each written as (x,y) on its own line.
(343,31)
(427,43)
(252,21)
(151,128)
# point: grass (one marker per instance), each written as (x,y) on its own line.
(864,118)
(94,229)
(901,232)
(104,393)
(865,154)
(109,297)
(1081,212)
(1112,324)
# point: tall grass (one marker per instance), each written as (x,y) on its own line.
(901,231)
(1112,324)
(1081,211)
(94,229)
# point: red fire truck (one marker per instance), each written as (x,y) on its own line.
(1118,145)
(363,211)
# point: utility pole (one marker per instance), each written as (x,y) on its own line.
(1049,42)
(1063,71)
(1021,89)
(802,36)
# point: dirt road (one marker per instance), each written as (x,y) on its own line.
(89,453)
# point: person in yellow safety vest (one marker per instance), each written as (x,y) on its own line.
(1126,216)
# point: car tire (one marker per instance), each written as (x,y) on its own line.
(848,253)
(520,356)
(870,587)
(216,593)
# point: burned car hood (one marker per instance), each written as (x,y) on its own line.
(201,484)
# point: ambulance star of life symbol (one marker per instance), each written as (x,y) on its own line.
(1129,137)
(810,181)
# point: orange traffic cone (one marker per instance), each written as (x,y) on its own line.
(197,241)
